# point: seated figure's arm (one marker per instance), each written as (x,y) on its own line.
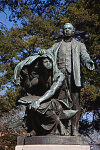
(26,83)
(55,86)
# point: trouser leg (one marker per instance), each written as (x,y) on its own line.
(75,95)
(76,106)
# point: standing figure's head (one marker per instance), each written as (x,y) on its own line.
(68,30)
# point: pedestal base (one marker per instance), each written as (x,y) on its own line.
(52,147)
(52,140)
(52,143)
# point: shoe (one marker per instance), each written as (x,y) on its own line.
(76,133)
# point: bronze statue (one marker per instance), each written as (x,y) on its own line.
(69,56)
(43,80)
(52,79)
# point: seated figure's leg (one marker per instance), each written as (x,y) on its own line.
(68,114)
(59,125)
(63,130)
(30,122)
(52,116)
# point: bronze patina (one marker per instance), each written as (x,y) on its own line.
(42,80)
(52,79)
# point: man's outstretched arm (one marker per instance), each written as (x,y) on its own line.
(85,58)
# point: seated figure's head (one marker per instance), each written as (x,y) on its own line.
(47,63)
(68,30)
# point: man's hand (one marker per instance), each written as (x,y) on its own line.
(90,65)
(41,52)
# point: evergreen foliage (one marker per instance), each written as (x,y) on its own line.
(42,22)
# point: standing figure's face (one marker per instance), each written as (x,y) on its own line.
(47,63)
(68,30)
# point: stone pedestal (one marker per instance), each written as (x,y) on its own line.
(52,147)
(52,140)
(52,143)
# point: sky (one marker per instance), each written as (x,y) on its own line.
(4,19)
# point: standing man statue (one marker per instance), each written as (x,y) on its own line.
(68,58)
